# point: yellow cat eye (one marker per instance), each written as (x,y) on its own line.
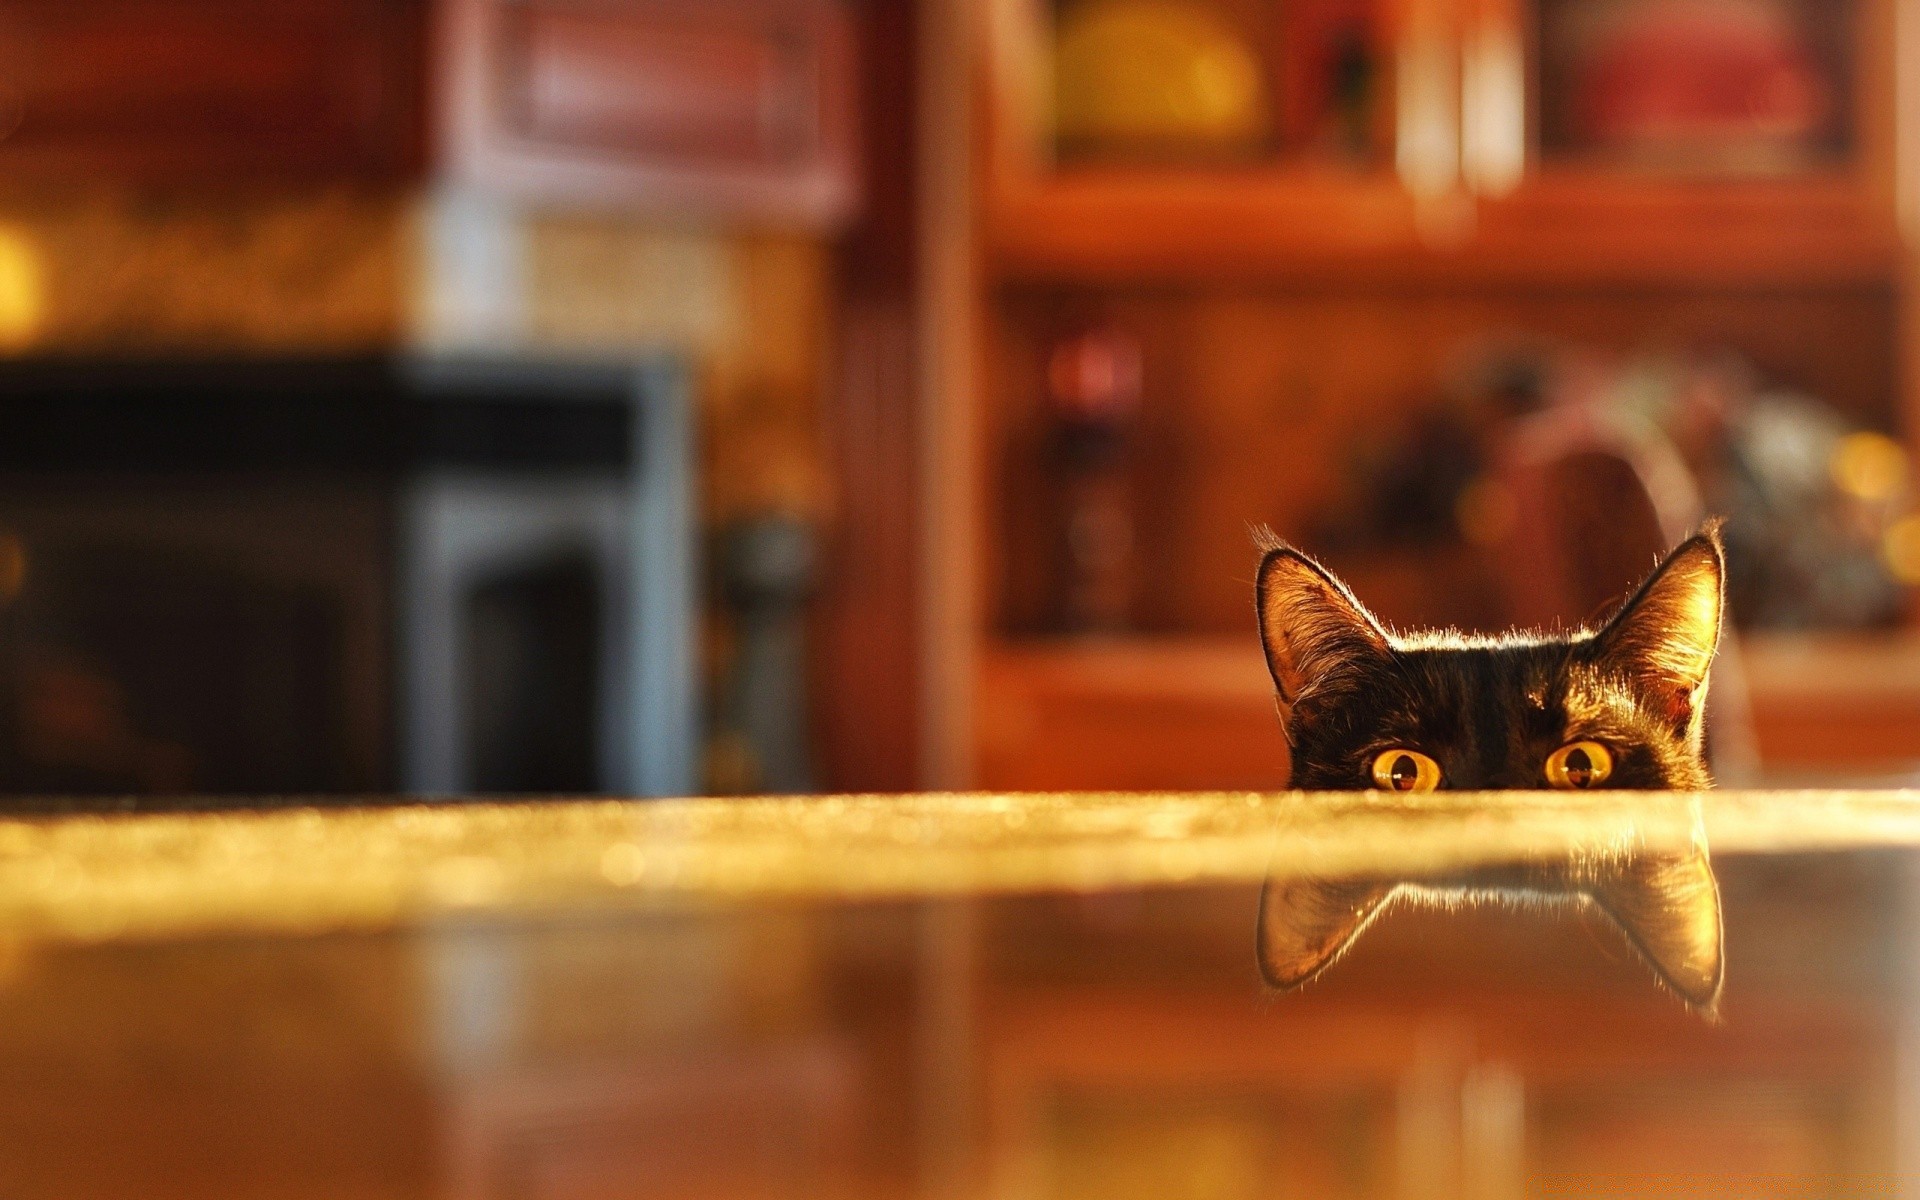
(1405,771)
(1579,765)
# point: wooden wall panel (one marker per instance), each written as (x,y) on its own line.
(866,667)
(208,91)
(1179,713)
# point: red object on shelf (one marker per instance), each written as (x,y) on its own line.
(1095,376)
(1700,71)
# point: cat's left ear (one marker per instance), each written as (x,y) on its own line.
(1665,637)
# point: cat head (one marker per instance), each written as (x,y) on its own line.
(1620,706)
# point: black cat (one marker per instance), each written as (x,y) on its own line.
(1616,707)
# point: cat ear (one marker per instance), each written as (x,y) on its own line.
(1305,924)
(1665,636)
(1310,625)
(1669,908)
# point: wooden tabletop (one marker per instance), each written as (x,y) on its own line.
(96,878)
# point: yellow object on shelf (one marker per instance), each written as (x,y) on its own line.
(1156,74)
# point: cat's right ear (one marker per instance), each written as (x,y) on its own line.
(1310,625)
(1669,908)
(1665,636)
(1305,924)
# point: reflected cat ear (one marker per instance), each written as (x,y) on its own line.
(1669,908)
(1666,634)
(1310,624)
(1305,924)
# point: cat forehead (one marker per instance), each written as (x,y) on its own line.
(1518,642)
(1450,667)
(1450,673)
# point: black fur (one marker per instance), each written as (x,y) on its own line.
(1490,710)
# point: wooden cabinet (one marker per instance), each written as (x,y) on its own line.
(1464,173)
(732,107)
(1292,298)
(196,91)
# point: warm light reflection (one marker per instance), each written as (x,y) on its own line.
(22,289)
(300,870)
(1901,549)
(623,864)
(1868,466)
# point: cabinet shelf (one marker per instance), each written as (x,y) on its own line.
(1562,228)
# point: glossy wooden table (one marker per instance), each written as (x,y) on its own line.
(301,870)
(995,995)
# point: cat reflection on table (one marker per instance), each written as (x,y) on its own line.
(1620,706)
(1667,906)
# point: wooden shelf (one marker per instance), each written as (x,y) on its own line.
(1562,228)
(1585,227)
(1115,223)
(1198,711)
(1836,701)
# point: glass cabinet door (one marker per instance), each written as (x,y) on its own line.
(1213,134)
(1681,141)
(1560,140)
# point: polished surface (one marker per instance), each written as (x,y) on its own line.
(1046,997)
(305,870)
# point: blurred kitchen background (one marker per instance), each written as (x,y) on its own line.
(650,396)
